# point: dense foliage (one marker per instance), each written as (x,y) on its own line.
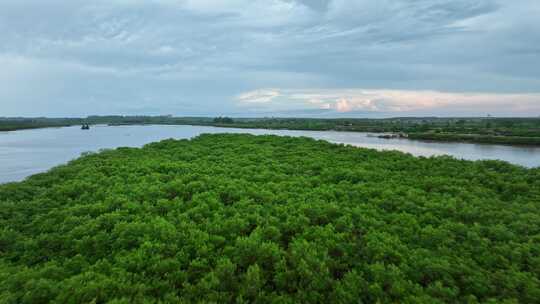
(241,218)
(223,120)
(513,131)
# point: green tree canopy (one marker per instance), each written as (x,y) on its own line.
(264,219)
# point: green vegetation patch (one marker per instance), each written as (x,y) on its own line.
(266,219)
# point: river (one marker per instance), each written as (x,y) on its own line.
(27,152)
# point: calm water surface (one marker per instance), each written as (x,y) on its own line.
(27,152)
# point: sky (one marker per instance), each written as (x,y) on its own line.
(305,58)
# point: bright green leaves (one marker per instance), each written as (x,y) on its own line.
(246,219)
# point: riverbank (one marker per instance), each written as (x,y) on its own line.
(477,138)
(436,137)
(23,153)
(501,131)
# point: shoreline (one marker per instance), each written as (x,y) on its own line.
(515,141)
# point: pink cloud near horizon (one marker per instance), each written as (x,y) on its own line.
(393,101)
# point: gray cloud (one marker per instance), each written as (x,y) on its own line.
(196,57)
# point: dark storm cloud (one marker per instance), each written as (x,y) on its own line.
(199,57)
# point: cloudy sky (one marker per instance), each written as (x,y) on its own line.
(358,58)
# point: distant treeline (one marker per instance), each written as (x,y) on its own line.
(12,124)
(522,131)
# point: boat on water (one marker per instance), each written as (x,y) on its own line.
(85,127)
